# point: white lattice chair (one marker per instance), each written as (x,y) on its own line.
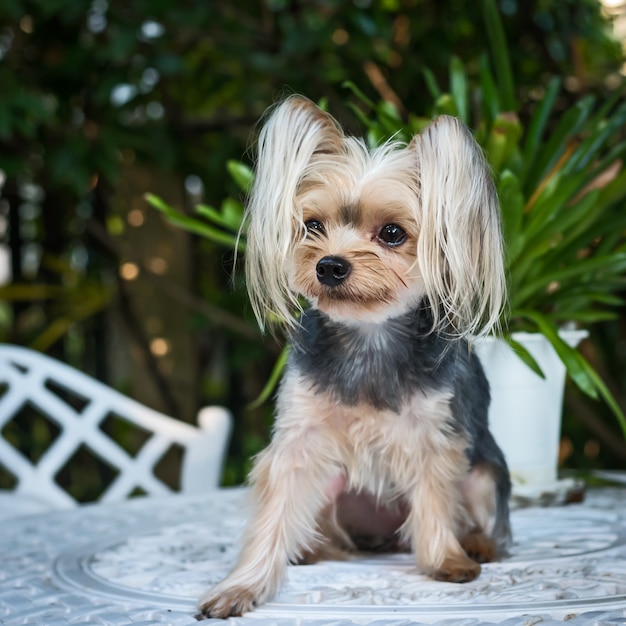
(78,406)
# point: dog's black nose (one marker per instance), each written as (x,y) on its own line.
(331,270)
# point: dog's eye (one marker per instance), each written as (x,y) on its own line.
(392,235)
(314,226)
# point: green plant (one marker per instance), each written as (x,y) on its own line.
(218,225)
(562,190)
(562,196)
(74,299)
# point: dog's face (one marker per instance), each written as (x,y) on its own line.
(364,233)
(357,258)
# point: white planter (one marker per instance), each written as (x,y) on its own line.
(525,412)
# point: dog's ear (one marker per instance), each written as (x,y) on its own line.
(295,132)
(460,244)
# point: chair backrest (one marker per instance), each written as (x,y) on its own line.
(83,412)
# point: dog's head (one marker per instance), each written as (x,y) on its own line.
(365,235)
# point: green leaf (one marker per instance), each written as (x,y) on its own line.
(458,88)
(371,125)
(583,317)
(560,139)
(348,84)
(512,211)
(489,92)
(538,122)
(603,111)
(552,202)
(232,212)
(241,174)
(445,105)
(577,295)
(92,300)
(158,203)
(604,392)
(390,123)
(503,140)
(596,141)
(194,225)
(586,296)
(272,383)
(525,356)
(614,191)
(554,230)
(500,55)
(578,368)
(389,111)
(29,293)
(209,213)
(611,160)
(431,84)
(567,354)
(229,216)
(599,228)
(615,264)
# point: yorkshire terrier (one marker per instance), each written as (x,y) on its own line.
(381,439)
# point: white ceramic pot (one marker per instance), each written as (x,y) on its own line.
(525,412)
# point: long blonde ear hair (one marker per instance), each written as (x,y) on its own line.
(295,131)
(459,251)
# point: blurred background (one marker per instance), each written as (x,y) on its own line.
(102,101)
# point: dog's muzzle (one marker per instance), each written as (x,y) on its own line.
(332,270)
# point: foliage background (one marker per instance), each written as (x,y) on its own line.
(103,100)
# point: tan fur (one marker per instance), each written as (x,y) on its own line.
(478,489)
(382,276)
(414,455)
(438,185)
(437,189)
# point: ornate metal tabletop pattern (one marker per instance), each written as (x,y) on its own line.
(146,561)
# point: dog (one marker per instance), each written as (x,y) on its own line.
(382,264)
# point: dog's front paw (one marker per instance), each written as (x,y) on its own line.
(458,569)
(479,547)
(226,602)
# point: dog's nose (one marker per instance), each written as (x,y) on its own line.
(331,270)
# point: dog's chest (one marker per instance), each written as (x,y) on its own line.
(381,365)
(380,447)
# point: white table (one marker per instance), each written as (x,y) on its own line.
(145,562)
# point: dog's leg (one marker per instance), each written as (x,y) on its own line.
(435,501)
(486,490)
(289,481)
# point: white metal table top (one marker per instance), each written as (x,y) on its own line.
(147,560)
